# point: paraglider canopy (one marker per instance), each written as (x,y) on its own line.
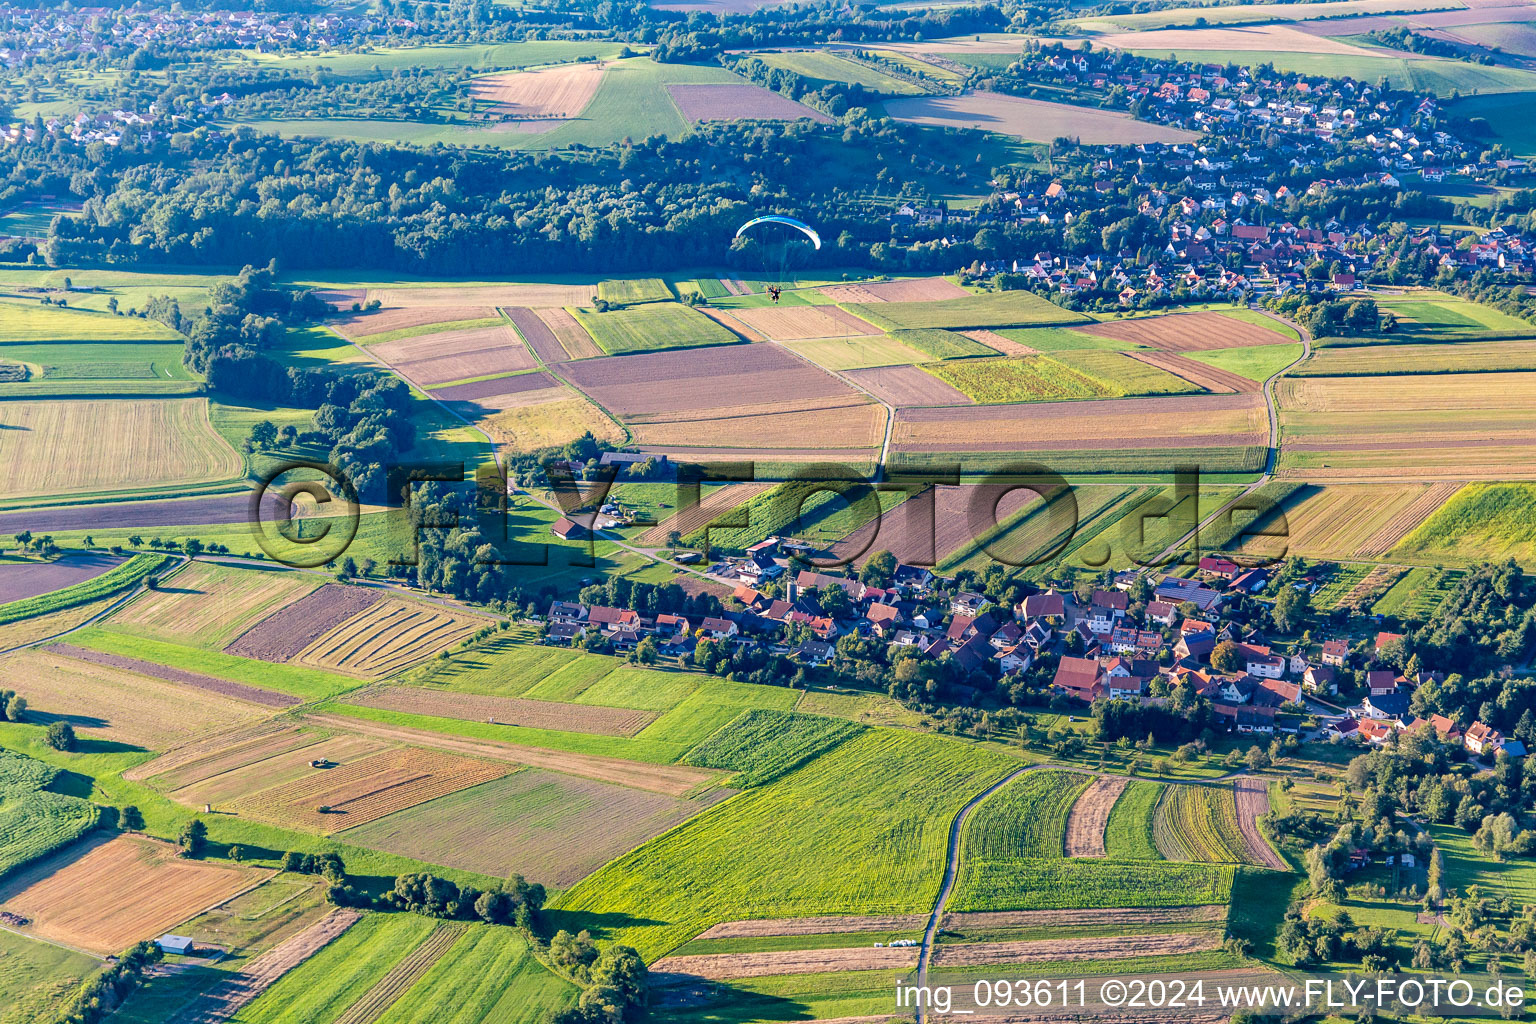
(787,221)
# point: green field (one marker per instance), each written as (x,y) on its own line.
(420,330)
(1128,833)
(652,327)
(1340,583)
(54,325)
(1062,339)
(942,344)
(631,102)
(640,289)
(1481,522)
(857,353)
(1239,15)
(33,820)
(36,978)
(1511,117)
(1017,884)
(1066,375)
(994,309)
(761,746)
(1256,362)
(822,68)
(878,807)
(1026,819)
(1199,823)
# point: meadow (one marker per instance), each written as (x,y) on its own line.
(652,328)
(822,67)
(54,325)
(878,806)
(36,978)
(1257,362)
(1129,833)
(1270,12)
(624,291)
(761,746)
(34,821)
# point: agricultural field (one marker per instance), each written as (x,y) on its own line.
(366,789)
(857,353)
(540,98)
(761,746)
(53,325)
(651,328)
(389,635)
(430,359)
(1446,426)
(398,323)
(997,309)
(117,706)
(1386,360)
(1014,859)
(907,386)
(135,444)
(35,821)
(38,978)
(1199,823)
(800,323)
(1189,16)
(565,418)
(1480,522)
(553,828)
(1343,521)
(1192,332)
(209,605)
(21,580)
(906,289)
(1031,119)
(738,102)
(1064,376)
(820,66)
(890,859)
(106,893)
(1128,835)
(625,291)
(1089,818)
(288,630)
(532,714)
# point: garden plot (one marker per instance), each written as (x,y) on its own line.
(104,894)
(1085,825)
(1199,823)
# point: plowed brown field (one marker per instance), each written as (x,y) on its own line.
(796,323)
(456,355)
(1186,332)
(1090,813)
(1206,420)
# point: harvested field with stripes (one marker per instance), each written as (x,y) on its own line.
(251,766)
(1103,947)
(549,418)
(921,289)
(798,323)
(1185,332)
(1252,804)
(105,893)
(362,326)
(133,443)
(1196,421)
(107,703)
(223,687)
(532,714)
(532,295)
(1085,825)
(677,970)
(333,799)
(208,605)
(456,355)
(1130,917)
(907,386)
(1438,426)
(670,780)
(552,828)
(829,427)
(683,385)
(287,631)
(561,91)
(1200,374)
(1357,520)
(710,506)
(388,636)
(1390,359)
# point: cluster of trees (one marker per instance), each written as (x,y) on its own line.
(13,706)
(1306,941)
(517,901)
(1330,317)
(613,980)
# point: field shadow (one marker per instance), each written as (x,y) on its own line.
(72,784)
(601,925)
